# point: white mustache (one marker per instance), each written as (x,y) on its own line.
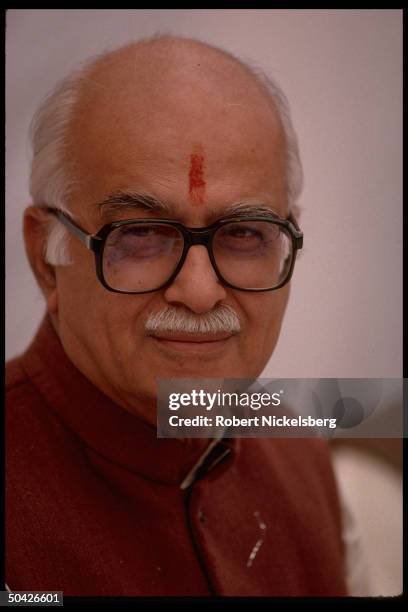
(179,319)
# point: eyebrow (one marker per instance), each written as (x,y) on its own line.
(245,208)
(130,200)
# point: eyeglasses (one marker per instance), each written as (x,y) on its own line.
(251,253)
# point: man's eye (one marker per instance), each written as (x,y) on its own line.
(142,242)
(139,231)
(244,232)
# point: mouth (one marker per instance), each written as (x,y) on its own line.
(192,343)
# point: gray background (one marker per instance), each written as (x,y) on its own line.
(342,73)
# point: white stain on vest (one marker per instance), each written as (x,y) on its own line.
(259,542)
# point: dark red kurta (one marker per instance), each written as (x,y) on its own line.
(94,504)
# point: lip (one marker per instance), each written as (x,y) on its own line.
(184,342)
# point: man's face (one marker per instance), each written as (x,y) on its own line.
(145,145)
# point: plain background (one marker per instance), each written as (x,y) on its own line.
(342,73)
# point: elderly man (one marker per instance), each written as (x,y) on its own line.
(163,236)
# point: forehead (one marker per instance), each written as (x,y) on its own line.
(134,134)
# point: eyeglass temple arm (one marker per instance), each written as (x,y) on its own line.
(88,240)
(298,231)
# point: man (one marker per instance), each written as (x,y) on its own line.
(143,146)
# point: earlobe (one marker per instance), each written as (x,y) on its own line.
(35,237)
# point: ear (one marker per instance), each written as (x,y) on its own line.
(36,222)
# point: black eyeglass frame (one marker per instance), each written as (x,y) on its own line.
(192,237)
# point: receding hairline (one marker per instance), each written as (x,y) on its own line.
(169,49)
(177,58)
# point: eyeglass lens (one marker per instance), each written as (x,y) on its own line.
(252,255)
(249,255)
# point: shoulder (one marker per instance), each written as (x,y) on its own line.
(23,401)
(35,436)
(15,375)
(20,396)
(301,465)
(41,454)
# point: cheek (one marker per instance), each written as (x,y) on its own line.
(264,314)
(79,292)
(95,315)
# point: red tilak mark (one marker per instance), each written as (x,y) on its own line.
(197,182)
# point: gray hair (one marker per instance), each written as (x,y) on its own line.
(53,178)
(222,318)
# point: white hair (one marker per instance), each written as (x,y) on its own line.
(294,170)
(222,318)
(53,177)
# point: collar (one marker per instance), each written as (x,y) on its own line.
(109,429)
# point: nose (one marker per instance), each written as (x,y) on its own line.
(196,286)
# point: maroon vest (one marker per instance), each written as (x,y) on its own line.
(94,504)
